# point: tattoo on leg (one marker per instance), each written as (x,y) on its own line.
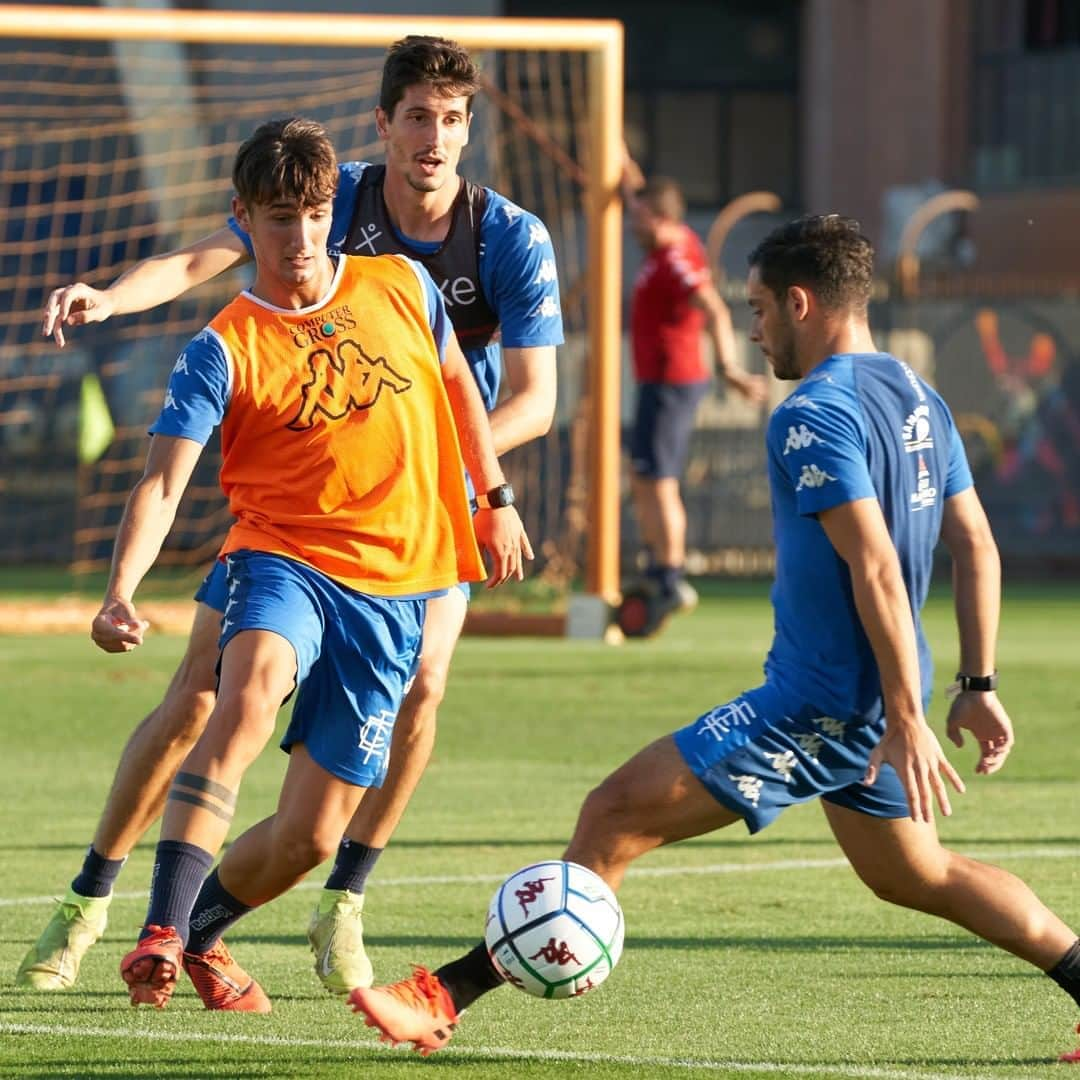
(206,794)
(201,783)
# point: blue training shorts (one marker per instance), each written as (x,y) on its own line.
(761,753)
(214,591)
(663,423)
(355,655)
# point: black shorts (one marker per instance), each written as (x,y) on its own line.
(663,421)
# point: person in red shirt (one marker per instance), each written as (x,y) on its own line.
(674,301)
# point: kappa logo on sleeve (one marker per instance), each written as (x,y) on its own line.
(546,309)
(800,438)
(813,477)
(537,234)
(799,401)
(547,273)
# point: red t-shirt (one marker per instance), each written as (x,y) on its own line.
(665,328)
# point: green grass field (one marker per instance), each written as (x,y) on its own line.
(745,957)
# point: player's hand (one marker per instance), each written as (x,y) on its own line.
(74,305)
(117,626)
(755,388)
(981,713)
(501,533)
(914,752)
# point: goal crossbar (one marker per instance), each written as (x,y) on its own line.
(600,40)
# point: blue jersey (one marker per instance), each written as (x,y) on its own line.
(517,273)
(857,427)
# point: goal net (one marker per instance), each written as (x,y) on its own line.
(116,143)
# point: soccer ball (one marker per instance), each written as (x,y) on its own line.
(554,930)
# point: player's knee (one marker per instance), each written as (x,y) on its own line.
(303,846)
(190,698)
(607,809)
(427,691)
(244,717)
(908,886)
(182,714)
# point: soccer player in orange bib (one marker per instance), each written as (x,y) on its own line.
(346,409)
(495,264)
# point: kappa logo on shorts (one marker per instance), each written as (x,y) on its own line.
(810,743)
(783,762)
(832,727)
(375,736)
(749,787)
(343,381)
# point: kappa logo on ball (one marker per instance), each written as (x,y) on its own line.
(554,930)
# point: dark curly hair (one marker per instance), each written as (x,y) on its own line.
(826,253)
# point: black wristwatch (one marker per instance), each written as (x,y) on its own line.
(977,682)
(503,495)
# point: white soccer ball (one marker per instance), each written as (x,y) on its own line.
(554,929)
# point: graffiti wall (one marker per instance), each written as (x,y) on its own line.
(1010,369)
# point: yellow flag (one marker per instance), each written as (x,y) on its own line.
(95,422)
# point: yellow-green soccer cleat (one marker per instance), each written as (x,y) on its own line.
(53,960)
(336,936)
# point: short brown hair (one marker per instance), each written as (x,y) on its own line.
(826,253)
(664,197)
(440,63)
(289,159)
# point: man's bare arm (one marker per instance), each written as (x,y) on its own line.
(148,517)
(977,598)
(498,530)
(754,388)
(147,284)
(528,411)
(858,532)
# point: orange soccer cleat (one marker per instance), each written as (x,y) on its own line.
(1072,1057)
(416,1010)
(222,983)
(150,969)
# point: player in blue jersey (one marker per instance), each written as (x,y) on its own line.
(866,472)
(495,267)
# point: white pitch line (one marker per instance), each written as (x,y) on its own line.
(637,872)
(851,1072)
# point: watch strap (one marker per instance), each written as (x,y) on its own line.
(977,682)
(502,495)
